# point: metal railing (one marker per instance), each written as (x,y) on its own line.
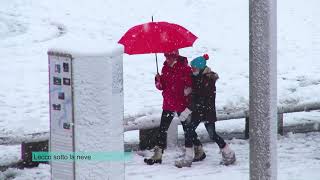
(143,122)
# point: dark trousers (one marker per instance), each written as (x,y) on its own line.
(191,134)
(211,129)
(166,119)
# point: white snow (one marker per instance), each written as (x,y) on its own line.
(28,28)
(298,159)
(9,154)
(222,28)
(88,48)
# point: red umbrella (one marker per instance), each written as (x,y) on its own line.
(156,37)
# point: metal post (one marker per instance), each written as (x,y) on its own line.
(263,89)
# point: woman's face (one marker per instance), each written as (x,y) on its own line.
(195,71)
(169,58)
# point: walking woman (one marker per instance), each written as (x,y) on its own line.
(175,83)
(203,109)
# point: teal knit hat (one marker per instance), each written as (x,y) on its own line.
(200,62)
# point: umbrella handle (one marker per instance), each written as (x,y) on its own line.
(157,63)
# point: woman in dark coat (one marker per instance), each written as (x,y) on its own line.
(203,109)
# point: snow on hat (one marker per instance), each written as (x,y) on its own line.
(200,62)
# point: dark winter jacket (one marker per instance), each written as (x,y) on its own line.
(173,81)
(204,94)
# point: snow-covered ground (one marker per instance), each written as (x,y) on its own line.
(29,27)
(298,159)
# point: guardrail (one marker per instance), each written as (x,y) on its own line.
(147,125)
(147,122)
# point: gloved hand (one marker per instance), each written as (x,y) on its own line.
(187,91)
(185,115)
(157,78)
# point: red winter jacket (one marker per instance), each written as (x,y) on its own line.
(173,81)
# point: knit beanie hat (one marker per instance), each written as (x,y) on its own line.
(200,62)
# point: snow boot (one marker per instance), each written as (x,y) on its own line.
(228,156)
(156,158)
(199,154)
(187,160)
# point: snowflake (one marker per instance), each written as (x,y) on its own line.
(146,27)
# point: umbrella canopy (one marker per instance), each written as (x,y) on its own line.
(156,37)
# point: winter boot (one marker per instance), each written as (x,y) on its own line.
(156,158)
(199,154)
(187,160)
(228,156)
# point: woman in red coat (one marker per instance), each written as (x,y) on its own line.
(175,83)
(174,80)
